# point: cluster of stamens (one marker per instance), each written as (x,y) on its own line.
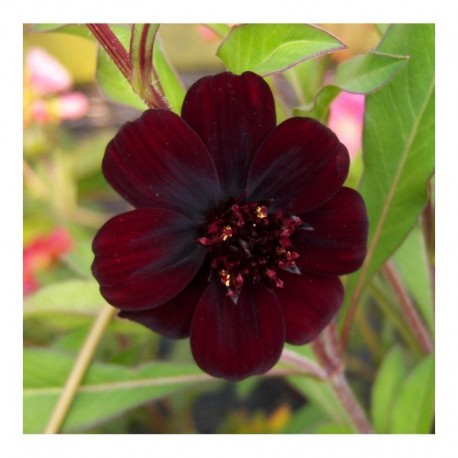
(246,243)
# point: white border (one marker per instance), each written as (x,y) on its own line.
(342,11)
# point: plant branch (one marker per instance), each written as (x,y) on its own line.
(113,47)
(408,310)
(79,370)
(144,79)
(311,368)
(329,352)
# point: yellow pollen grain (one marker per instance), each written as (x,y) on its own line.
(226,233)
(261,212)
(225,278)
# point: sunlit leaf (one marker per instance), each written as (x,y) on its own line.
(272,48)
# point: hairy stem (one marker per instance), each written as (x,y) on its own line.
(113,47)
(408,310)
(80,367)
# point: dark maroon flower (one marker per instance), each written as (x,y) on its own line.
(240,227)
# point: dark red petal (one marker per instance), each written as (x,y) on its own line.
(234,341)
(173,319)
(309,303)
(145,257)
(233,115)
(158,161)
(300,165)
(336,240)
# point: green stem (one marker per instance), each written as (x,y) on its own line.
(78,372)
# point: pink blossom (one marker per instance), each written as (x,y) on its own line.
(47,75)
(346,120)
(73,105)
(41,254)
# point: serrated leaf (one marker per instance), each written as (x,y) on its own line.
(389,378)
(108,390)
(414,409)
(272,48)
(398,150)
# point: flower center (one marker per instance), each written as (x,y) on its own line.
(247,243)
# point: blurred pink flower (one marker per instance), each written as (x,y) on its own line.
(346,120)
(41,254)
(206,33)
(73,105)
(46,96)
(47,75)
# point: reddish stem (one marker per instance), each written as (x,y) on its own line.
(328,351)
(408,310)
(113,47)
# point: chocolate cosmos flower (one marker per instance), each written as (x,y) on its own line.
(240,227)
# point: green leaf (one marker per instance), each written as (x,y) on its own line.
(272,48)
(306,79)
(363,74)
(319,109)
(333,428)
(112,82)
(170,82)
(108,390)
(398,149)
(79,30)
(369,72)
(72,296)
(414,409)
(382,28)
(305,420)
(389,378)
(412,264)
